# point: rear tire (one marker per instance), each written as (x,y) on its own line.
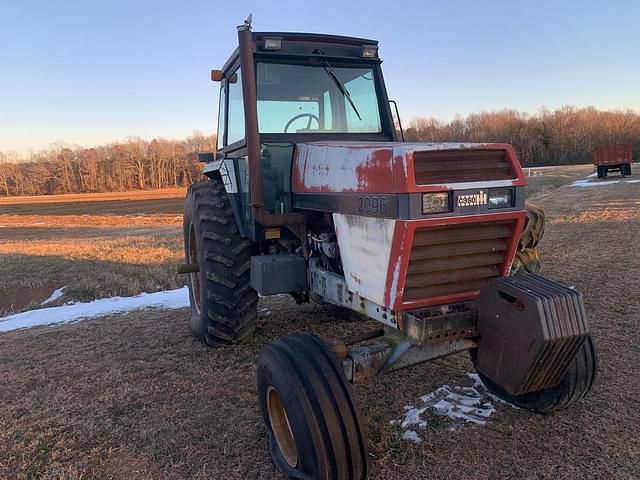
(311,414)
(575,384)
(223,304)
(599,169)
(533,230)
(628,169)
(527,258)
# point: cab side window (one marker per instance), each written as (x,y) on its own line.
(222,105)
(235,118)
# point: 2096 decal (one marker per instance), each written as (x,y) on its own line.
(372,205)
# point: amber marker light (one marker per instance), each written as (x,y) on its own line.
(216,75)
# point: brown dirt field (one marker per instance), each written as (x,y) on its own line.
(97,197)
(135,397)
(96,245)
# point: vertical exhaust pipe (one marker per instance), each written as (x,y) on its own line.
(246,49)
(295,220)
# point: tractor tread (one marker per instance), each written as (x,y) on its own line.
(228,303)
(221,280)
(226,261)
(216,237)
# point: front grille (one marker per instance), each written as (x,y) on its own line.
(437,167)
(455,259)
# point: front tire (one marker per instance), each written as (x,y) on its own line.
(223,304)
(310,411)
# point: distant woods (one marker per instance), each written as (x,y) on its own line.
(135,164)
(559,137)
(563,136)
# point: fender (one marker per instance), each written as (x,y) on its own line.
(225,170)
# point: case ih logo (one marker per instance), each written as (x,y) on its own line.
(472,199)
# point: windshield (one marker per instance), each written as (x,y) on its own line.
(308,99)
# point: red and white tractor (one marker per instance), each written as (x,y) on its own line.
(313,192)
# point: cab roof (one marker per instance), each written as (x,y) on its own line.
(315,37)
(305,44)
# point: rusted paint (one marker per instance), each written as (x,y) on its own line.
(388,167)
(342,167)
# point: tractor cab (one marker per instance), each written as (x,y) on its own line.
(280,89)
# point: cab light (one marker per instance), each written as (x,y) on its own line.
(272,43)
(501,197)
(436,202)
(369,51)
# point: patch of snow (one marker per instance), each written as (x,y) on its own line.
(412,416)
(411,436)
(461,405)
(169,299)
(54,296)
(586,182)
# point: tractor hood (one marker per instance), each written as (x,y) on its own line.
(394,167)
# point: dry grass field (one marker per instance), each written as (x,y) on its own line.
(544,179)
(95,245)
(135,396)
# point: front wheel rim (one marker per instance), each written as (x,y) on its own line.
(281,427)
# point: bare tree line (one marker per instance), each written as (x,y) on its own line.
(563,136)
(130,165)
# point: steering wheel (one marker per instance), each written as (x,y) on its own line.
(302,115)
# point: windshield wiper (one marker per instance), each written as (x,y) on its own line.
(331,72)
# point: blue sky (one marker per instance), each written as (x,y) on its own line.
(89,72)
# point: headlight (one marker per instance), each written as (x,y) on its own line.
(436,202)
(500,197)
